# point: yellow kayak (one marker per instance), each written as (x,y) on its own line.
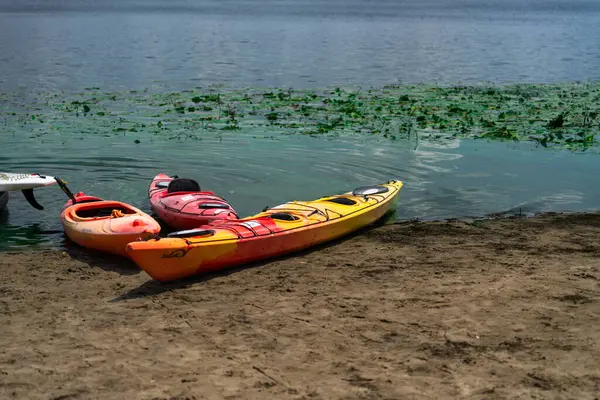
(279,230)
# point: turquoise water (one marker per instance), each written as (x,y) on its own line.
(452,178)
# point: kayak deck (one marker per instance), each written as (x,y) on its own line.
(289,227)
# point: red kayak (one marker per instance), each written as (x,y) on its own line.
(181,204)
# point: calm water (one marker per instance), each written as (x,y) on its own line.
(67,45)
(458,178)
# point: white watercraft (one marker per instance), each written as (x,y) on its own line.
(25,183)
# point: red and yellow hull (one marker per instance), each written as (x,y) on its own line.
(290,227)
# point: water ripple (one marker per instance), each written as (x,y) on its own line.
(470,178)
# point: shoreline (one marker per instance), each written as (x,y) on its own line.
(489,308)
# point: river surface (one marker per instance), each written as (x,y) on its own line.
(63,46)
(127,44)
(456,178)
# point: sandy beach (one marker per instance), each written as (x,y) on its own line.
(486,309)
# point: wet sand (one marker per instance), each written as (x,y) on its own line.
(493,309)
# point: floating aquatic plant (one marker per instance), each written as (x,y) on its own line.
(550,115)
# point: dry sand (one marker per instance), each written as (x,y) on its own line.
(496,309)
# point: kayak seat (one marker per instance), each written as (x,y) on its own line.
(183,185)
(283,216)
(342,200)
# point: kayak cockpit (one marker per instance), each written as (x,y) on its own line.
(102,209)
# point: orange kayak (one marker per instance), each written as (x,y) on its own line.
(105,225)
(289,227)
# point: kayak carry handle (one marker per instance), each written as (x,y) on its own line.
(191,232)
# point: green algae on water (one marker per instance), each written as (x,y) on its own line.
(564,115)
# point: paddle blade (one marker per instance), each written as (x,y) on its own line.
(28,193)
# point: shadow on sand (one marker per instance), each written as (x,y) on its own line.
(104,261)
(153,287)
